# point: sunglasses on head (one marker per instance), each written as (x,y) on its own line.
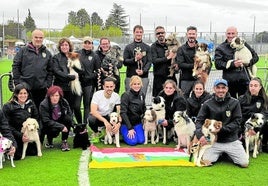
(158,33)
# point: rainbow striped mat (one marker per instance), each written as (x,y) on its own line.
(137,157)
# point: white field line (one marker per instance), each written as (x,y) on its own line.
(83,178)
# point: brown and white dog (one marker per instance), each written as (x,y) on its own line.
(184,128)
(244,54)
(158,105)
(149,125)
(114,120)
(202,62)
(74,62)
(30,130)
(173,46)
(5,146)
(252,133)
(209,129)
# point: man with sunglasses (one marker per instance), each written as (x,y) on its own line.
(160,61)
(185,60)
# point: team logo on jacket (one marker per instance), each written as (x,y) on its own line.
(29,110)
(89,57)
(44,54)
(228,113)
(258,105)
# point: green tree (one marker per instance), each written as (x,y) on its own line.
(262,37)
(82,18)
(70,29)
(96,20)
(29,22)
(72,18)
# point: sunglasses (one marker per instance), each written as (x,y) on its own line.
(158,33)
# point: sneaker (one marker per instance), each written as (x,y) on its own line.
(65,146)
(49,146)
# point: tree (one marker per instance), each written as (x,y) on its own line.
(117,18)
(72,18)
(96,20)
(80,18)
(262,37)
(29,22)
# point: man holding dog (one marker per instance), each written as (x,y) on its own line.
(235,73)
(222,107)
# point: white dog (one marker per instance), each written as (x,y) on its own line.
(114,120)
(30,130)
(158,105)
(73,62)
(184,128)
(149,125)
(5,145)
(244,54)
(252,133)
(209,129)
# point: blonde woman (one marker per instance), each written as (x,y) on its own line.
(132,109)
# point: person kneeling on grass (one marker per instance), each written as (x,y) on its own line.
(132,110)
(56,117)
(102,105)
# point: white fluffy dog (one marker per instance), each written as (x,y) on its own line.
(243,53)
(5,145)
(252,133)
(158,105)
(184,128)
(73,62)
(114,120)
(30,130)
(149,125)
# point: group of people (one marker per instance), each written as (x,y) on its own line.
(43,91)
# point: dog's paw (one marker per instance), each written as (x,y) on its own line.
(39,154)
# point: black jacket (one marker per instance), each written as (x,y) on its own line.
(129,59)
(90,65)
(17,114)
(185,60)
(46,110)
(227,111)
(61,72)
(5,129)
(132,108)
(160,61)
(223,54)
(33,67)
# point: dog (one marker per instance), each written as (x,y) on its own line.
(243,53)
(114,120)
(30,130)
(149,125)
(184,128)
(202,62)
(252,133)
(158,105)
(74,63)
(5,145)
(81,136)
(137,53)
(209,129)
(173,46)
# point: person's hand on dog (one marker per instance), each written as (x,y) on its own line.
(251,132)
(171,55)
(203,141)
(65,129)
(131,134)
(238,63)
(164,123)
(138,56)
(24,138)
(116,128)
(12,151)
(108,126)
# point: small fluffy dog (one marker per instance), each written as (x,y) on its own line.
(138,52)
(209,129)
(149,125)
(114,120)
(202,62)
(5,145)
(184,128)
(81,136)
(73,62)
(252,133)
(158,105)
(30,130)
(173,46)
(243,53)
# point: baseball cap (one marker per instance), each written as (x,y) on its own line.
(220,81)
(87,38)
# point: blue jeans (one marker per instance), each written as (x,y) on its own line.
(138,138)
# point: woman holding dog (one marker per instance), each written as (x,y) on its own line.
(255,100)
(17,110)
(197,97)
(174,101)
(132,109)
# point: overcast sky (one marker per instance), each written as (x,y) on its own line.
(207,15)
